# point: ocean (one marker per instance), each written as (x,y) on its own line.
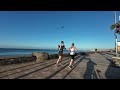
(14,51)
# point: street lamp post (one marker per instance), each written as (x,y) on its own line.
(116,45)
(115,37)
(119,18)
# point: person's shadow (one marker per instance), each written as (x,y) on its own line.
(90,72)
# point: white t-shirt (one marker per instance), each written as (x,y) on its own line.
(72,51)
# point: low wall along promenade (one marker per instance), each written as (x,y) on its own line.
(6,60)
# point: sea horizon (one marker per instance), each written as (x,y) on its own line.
(18,51)
(26,51)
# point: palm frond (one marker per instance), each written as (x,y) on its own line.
(117,31)
(112,26)
(115,25)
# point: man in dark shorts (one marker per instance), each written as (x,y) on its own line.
(60,52)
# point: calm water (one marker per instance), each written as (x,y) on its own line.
(9,51)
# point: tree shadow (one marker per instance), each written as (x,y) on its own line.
(90,71)
(38,65)
(112,72)
(74,67)
(56,72)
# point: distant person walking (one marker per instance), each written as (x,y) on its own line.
(95,50)
(60,53)
(72,50)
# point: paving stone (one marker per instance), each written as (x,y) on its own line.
(94,66)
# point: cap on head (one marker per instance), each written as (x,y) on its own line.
(73,44)
(62,42)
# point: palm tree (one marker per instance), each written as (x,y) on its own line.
(116,26)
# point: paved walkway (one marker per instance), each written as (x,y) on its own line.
(94,66)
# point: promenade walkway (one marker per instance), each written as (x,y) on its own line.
(93,66)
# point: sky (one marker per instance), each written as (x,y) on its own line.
(46,29)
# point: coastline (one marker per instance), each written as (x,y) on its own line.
(15,59)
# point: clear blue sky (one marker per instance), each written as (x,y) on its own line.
(41,29)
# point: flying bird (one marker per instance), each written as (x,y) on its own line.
(60,26)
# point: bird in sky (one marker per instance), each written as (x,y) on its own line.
(60,26)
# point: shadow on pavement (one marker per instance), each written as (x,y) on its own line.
(112,72)
(90,72)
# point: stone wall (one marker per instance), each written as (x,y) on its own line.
(6,60)
(15,60)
